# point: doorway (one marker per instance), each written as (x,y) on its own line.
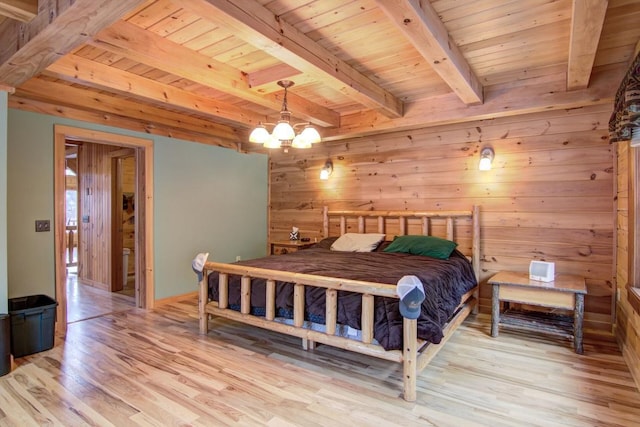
(71,206)
(123,214)
(142,258)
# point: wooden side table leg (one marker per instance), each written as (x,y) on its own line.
(578,315)
(495,310)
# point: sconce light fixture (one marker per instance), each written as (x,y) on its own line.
(326,170)
(486,158)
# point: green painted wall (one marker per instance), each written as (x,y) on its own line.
(205,199)
(29,197)
(4,291)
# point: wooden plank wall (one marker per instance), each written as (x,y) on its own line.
(94,200)
(627,319)
(548,197)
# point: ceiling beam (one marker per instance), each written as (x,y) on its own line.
(269,76)
(76,97)
(21,10)
(499,102)
(587,19)
(49,41)
(109,119)
(258,26)
(143,46)
(421,25)
(76,69)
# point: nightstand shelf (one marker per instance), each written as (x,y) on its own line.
(535,321)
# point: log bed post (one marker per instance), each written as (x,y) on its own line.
(366,321)
(331,310)
(245,295)
(298,305)
(223,290)
(270,303)
(425,225)
(325,221)
(409,358)
(203,298)
(475,252)
(450,229)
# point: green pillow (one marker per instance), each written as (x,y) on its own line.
(434,247)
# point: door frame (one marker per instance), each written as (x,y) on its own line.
(144,212)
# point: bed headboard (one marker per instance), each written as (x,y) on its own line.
(418,222)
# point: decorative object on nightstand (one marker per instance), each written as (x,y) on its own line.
(564,292)
(542,271)
(294,235)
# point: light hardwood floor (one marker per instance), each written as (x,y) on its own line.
(134,367)
(85,302)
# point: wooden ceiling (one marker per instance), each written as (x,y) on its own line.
(206,70)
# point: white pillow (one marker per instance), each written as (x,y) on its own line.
(357,242)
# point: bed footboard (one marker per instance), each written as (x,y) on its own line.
(414,356)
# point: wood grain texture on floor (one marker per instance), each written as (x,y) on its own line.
(85,302)
(136,367)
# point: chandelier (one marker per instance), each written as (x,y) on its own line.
(284,134)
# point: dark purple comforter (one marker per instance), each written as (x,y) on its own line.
(445,281)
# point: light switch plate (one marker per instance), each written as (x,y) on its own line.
(43,225)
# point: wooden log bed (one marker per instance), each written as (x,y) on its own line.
(415,354)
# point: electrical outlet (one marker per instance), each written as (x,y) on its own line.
(43,225)
(238,257)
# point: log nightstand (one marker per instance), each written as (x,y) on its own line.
(287,246)
(565,292)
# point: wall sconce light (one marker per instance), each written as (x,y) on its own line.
(326,170)
(486,158)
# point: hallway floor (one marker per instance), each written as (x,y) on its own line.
(86,302)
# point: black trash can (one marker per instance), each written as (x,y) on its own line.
(5,344)
(33,320)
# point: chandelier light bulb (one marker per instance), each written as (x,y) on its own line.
(272,142)
(283,131)
(310,134)
(301,142)
(259,135)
